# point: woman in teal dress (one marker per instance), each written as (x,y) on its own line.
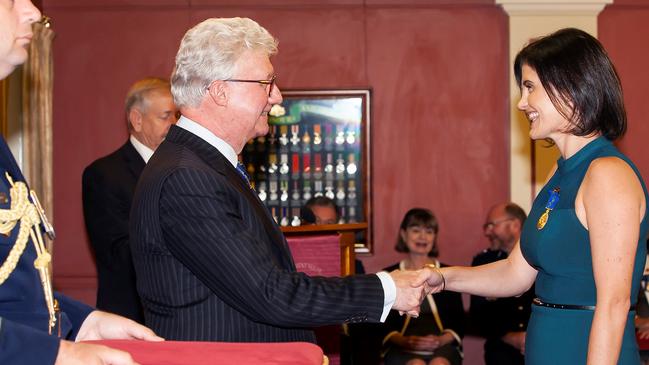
(583,243)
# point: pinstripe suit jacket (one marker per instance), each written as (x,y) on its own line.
(211,263)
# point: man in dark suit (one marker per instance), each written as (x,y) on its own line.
(37,325)
(502,321)
(108,186)
(211,263)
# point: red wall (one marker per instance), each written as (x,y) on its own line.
(624,31)
(438,71)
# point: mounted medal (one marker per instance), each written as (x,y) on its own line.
(549,206)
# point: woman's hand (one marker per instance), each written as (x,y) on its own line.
(420,343)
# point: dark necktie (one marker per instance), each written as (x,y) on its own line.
(242,171)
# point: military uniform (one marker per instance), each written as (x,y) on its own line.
(494,317)
(24,314)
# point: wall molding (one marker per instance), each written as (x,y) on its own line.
(530,163)
(264,4)
(553,7)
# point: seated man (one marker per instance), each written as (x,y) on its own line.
(322,210)
(359,344)
(503,321)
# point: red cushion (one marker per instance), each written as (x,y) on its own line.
(182,353)
(316,255)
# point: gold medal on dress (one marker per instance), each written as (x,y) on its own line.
(543,219)
(552,202)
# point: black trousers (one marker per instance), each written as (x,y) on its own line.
(497,352)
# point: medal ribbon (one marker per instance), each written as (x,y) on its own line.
(553,199)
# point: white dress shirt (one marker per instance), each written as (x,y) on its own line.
(144,151)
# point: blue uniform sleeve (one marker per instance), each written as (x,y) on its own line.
(75,311)
(23,345)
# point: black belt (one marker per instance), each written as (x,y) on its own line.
(540,303)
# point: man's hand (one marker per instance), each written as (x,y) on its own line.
(410,290)
(516,340)
(72,353)
(105,326)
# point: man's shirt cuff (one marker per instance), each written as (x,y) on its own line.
(389,293)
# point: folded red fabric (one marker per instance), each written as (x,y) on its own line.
(643,344)
(216,353)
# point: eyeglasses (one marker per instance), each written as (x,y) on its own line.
(492,224)
(270,82)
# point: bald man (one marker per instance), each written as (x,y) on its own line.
(502,321)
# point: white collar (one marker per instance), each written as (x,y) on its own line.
(209,137)
(144,151)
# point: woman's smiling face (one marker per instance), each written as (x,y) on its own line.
(545,120)
(418,239)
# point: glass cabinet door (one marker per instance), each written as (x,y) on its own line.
(317,145)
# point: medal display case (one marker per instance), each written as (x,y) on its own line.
(317,145)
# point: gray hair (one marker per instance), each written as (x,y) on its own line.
(209,51)
(137,95)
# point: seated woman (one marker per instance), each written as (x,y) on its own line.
(435,337)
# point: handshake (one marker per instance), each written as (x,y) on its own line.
(413,286)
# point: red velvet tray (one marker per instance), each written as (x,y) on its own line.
(181,353)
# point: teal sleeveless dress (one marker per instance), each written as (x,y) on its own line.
(561,254)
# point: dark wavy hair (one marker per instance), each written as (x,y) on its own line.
(577,74)
(418,217)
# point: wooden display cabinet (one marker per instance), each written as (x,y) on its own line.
(318,144)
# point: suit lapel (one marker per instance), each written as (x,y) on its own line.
(134,162)
(213,158)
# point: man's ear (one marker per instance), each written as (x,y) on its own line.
(219,92)
(135,118)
